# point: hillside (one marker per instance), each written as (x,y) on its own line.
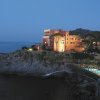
(85,32)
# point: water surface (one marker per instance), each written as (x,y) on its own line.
(6,47)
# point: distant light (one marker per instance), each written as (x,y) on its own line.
(30,49)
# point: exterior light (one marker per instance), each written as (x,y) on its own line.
(45,42)
(30,49)
(94,42)
(38,47)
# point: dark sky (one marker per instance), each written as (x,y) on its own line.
(24,20)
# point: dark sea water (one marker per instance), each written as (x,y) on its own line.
(6,47)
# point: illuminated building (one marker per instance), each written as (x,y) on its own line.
(62,41)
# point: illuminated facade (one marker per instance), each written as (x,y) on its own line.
(62,41)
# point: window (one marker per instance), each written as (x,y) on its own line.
(72,42)
(62,42)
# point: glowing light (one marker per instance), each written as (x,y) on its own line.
(94,42)
(30,49)
(45,42)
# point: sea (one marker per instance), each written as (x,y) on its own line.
(7,47)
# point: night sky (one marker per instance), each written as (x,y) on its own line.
(24,20)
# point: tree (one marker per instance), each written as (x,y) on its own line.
(24,48)
(34,47)
(43,46)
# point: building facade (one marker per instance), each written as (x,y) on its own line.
(62,41)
